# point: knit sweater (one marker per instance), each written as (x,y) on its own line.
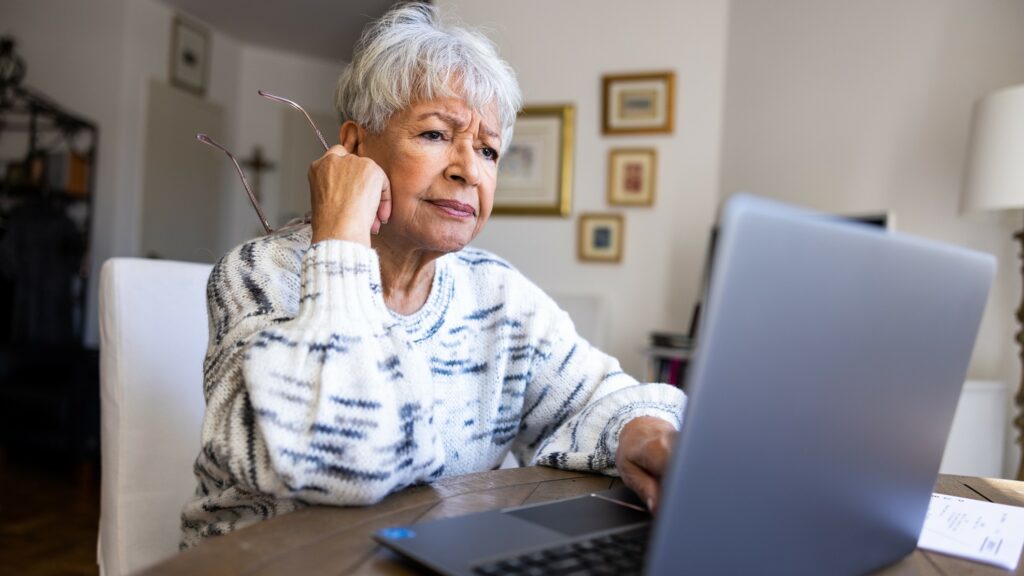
(317,393)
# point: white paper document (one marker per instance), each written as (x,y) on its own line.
(973,529)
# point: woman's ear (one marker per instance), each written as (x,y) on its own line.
(350,135)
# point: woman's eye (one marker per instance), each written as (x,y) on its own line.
(433,135)
(490,153)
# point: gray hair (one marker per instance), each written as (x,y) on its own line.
(408,55)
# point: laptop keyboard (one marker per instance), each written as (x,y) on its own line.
(617,554)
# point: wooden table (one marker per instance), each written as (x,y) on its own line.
(329,540)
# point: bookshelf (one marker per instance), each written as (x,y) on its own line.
(49,399)
(667,358)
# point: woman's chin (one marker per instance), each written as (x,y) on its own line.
(453,245)
(450,238)
(442,239)
(439,245)
(453,242)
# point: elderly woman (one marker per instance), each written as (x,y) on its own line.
(373,350)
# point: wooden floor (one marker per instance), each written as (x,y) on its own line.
(48,518)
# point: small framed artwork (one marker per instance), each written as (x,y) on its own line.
(631,176)
(600,237)
(535,173)
(190,56)
(638,103)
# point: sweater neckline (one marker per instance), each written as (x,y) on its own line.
(424,322)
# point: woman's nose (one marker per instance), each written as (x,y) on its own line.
(463,166)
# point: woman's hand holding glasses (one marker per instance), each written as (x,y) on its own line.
(338,181)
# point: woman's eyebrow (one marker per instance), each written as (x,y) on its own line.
(447,118)
(488,132)
(457,122)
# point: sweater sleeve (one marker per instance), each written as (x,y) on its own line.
(578,400)
(323,400)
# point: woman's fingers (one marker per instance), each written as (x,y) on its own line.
(655,455)
(347,193)
(641,482)
(384,209)
(337,150)
(643,454)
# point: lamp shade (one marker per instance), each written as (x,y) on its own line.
(995,163)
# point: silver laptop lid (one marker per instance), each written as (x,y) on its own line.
(829,366)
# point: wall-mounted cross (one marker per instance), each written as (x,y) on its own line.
(257,164)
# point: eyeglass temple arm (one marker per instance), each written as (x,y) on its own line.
(248,190)
(293,104)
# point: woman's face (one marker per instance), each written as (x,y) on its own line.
(441,158)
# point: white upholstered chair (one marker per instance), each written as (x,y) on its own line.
(153,336)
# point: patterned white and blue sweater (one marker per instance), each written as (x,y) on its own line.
(316,393)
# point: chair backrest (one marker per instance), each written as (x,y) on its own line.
(153,336)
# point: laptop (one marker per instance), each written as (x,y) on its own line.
(830,363)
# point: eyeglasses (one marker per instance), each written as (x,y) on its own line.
(245,182)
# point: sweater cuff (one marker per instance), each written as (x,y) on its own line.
(657,400)
(341,281)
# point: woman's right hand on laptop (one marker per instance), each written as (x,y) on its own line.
(643,455)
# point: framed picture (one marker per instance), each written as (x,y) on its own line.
(535,173)
(190,56)
(600,237)
(638,103)
(631,174)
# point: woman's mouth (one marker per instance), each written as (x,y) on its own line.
(454,208)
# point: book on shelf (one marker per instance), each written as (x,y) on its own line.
(69,172)
(667,357)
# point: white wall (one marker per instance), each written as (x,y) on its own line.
(865,106)
(309,82)
(149,25)
(560,50)
(237,71)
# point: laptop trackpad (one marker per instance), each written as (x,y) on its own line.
(580,516)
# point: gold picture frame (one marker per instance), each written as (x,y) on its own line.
(190,56)
(535,173)
(601,237)
(638,103)
(632,176)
